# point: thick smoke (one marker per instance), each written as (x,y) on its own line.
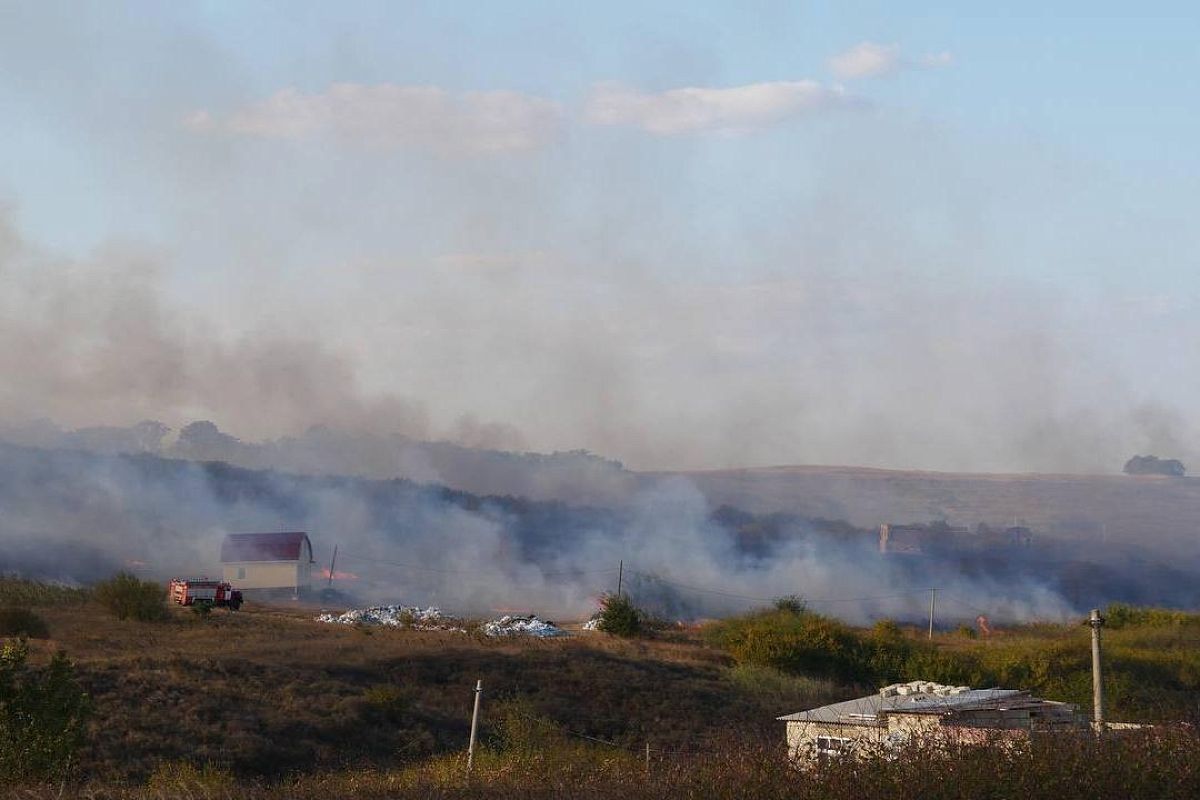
(75,516)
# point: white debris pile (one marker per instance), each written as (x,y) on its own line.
(425,619)
(592,624)
(522,626)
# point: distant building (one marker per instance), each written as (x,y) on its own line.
(919,539)
(898,713)
(274,561)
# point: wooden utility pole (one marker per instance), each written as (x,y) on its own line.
(620,576)
(474,728)
(932,602)
(332,564)
(1097,622)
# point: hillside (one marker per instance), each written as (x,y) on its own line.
(1159,513)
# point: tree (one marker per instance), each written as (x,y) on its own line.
(43,716)
(1153,465)
(619,616)
(126,596)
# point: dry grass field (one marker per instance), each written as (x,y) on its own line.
(269,692)
(269,704)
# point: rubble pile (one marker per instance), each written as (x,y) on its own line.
(522,626)
(415,617)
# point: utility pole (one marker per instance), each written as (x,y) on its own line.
(1097,622)
(474,728)
(332,564)
(647,759)
(932,602)
(620,576)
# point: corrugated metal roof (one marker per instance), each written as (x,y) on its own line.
(287,546)
(872,709)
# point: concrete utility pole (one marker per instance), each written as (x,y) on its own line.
(474,728)
(1097,622)
(932,601)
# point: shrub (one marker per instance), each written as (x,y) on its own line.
(22,622)
(794,640)
(25,593)
(1122,615)
(128,597)
(620,617)
(43,715)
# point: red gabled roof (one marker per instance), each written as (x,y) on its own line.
(265,547)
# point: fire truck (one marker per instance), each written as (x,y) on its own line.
(202,591)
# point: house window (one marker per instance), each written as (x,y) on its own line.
(241,573)
(832,746)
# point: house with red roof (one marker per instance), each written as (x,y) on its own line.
(268,560)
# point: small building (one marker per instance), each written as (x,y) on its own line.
(900,712)
(921,539)
(268,561)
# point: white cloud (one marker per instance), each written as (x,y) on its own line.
(391,115)
(867,60)
(731,110)
(873,60)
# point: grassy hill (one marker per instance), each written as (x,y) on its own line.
(1153,511)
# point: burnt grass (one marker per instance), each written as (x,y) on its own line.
(269,693)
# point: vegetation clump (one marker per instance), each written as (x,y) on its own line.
(24,593)
(128,597)
(620,617)
(43,716)
(22,622)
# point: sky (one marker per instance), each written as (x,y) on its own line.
(690,236)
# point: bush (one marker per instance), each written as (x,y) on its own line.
(127,597)
(620,617)
(22,622)
(26,593)
(43,716)
(1121,615)
(794,640)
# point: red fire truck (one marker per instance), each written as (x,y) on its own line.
(202,591)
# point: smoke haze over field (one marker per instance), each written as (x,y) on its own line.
(77,517)
(787,244)
(476,247)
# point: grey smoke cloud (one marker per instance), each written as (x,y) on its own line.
(542,351)
(73,516)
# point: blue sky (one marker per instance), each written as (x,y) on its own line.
(660,193)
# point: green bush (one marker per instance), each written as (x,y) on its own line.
(620,617)
(43,716)
(25,593)
(22,622)
(794,639)
(128,597)
(1121,615)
